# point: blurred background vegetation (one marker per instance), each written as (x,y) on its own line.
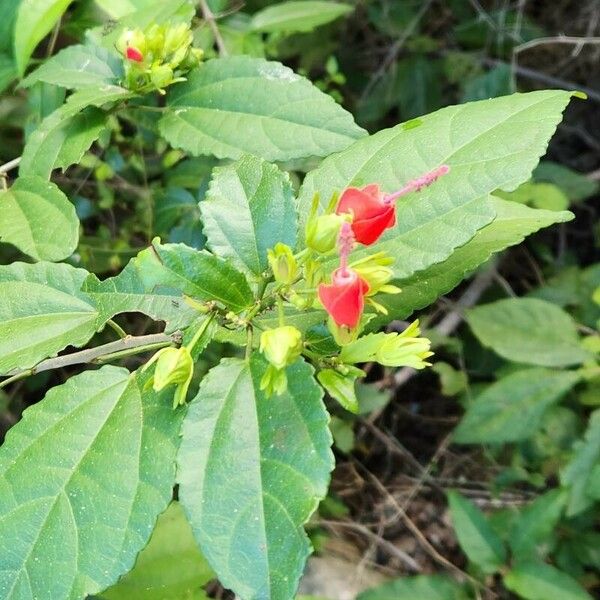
(508,418)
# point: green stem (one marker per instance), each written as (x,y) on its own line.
(130,351)
(200,331)
(117,328)
(249,340)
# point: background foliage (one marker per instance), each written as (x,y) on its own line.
(477,479)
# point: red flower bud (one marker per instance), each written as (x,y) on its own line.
(371,213)
(134,54)
(344,298)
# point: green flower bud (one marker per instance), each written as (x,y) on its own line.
(161,76)
(132,38)
(322,232)
(283,263)
(173,366)
(281,346)
(274,381)
(177,37)
(375,270)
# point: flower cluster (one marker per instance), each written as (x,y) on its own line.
(157,57)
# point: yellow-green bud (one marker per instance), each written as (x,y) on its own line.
(283,263)
(134,38)
(281,346)
(376,271)
(161,76)
(322,232)
(173,366)
(176,37)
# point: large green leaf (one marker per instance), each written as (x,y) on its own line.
(249,207)
(512,224)
(475,535)
(298,16)
(65,135)
(512,408)
(37,218)
(83,477)
(539,581)
(170,566)
(489,144)
(35,19)
(165,268)
(237,105)
(119,8)
(127,292)
(528,330)
(42,311)
(419,587)
(576,476)
(79,67)
(252,469)
(7,71)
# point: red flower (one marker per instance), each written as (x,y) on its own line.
(344,298)
(371,213)
(134,54)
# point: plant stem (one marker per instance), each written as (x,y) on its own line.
(130,345)
(209,17)
(117,328)
(10,165)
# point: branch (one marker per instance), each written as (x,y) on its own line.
(209,17)
(127,345)
(10,165)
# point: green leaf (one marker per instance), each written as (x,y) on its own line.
(119,8)
(170,566)
(297,16)
(418,587)
(577,474)
(511,225)
(65,135)
(79,67)
(539,581)
(83,477)
(164,268)
(237,105)
(42,312)
(251,471)
(37,218)
(534,527)
(488,145)
(7,71)
(249,207)
(475,535)
(127,292)
(529,331)
(341,387)
(35,19)
(511,409)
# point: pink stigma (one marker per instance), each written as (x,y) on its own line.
(417,184)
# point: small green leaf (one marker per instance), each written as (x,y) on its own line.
(528,330)
(418,587)
(297,16)
(488,145)
(42,312)
(164,268)
(511,409)
(77,67)
(532,533)
(341,387)
(251,471)
(475,535)
(512,224)
(35,19)
(231,106)
(83,477)
(170,566)
(249,207)
(37,218)
(65,135)
(577,474)
(539,581)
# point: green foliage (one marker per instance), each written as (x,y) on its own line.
(170,566)
(430,587)
(235,105)
(38,219)
(297,16)
(251,471)
(512,409)
(73,471)
(248,209)
(475,536)
(528,330)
